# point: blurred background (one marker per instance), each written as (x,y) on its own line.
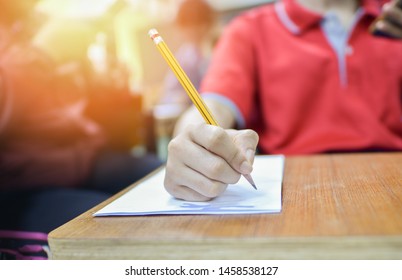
(125,75)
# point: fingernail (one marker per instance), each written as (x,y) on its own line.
(250,155)
(380,25)
(246,168)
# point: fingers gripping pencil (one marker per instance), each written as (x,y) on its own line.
(187,85)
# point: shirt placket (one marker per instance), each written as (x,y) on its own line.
(338,38)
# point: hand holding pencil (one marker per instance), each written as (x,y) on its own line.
(204,159)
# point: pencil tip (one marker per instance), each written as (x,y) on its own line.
(250,180)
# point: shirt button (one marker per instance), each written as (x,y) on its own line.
(349,50)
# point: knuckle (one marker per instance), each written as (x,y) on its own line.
(191,130)
(168,181)
(171,187)
(237,156)
(172,176)
(247,136)
(217,137)
(252,134)
(214,189)
(216,168)
(174,146)
(234,179)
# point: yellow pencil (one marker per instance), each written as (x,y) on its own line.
(187,85)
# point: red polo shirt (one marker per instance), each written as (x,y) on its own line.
(278,67)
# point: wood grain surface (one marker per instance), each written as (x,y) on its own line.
(335,206)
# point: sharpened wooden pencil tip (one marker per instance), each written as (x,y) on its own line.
(250,180)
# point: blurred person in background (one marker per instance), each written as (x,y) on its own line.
(292,77)
(54,163)
(195,23)
(111,102)
(15,23)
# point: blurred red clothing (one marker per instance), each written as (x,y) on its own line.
(303,93)
(44,138)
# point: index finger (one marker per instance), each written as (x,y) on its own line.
(220,142)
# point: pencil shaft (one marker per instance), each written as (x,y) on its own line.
(187,85)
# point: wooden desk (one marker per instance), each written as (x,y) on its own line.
(338,206)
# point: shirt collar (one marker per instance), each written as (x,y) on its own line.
(298,19)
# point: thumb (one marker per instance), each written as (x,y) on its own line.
(246,141)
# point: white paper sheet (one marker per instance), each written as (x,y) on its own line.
(150,197)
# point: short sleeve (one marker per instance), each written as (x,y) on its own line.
(232,72)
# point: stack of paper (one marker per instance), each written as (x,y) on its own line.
(150,197)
